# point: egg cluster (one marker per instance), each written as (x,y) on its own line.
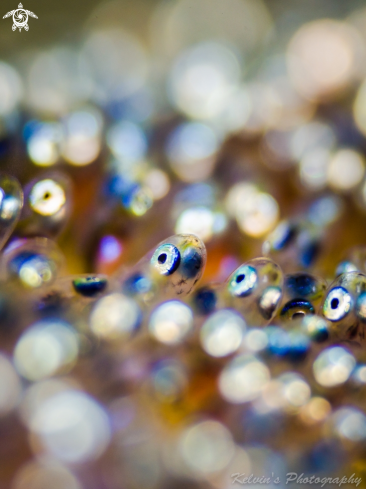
(237,344)
(146,366)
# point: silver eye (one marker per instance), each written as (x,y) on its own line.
(337,304)
(243,282)
(269,301)
(166,259)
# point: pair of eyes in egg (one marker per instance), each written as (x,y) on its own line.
(339,303)
(245,281)
(167,258)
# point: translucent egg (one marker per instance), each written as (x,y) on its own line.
(302,295)
(171,270)
(255,290)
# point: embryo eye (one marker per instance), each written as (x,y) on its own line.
(337,304)
(166,259)
(244,281)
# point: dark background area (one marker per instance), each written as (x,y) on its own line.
(65,22)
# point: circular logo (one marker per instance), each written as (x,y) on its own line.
(20,17)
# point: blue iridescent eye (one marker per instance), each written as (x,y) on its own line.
(166,259)
(243,282)
(337,304)
(191,262)
(89,286)
(296,308)
(301,285)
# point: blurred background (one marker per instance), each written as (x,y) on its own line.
(240,121)
(182,100)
